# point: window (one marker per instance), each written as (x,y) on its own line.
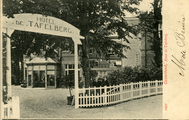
(137,58)
(70,68)
(50,67)
(29,67)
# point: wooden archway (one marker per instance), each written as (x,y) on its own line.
(41,24)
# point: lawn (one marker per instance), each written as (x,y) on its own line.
(52,103)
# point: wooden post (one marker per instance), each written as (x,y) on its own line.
(15,107)
(89,96)
(92,100)
(83,95)
(156,87)
(121,92)
(100,95)
(8,31)
(131,90)
(95,95)
(140,88)
(76,75)
(105,95)
(148,88)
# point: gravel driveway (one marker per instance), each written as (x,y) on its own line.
(52,103)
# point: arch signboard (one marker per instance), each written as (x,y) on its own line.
(41,24)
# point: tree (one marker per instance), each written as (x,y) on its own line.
(157,5)
(149,22)
(96,19)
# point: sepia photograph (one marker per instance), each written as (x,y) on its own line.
(101,59)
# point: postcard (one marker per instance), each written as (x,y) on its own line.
(102,59)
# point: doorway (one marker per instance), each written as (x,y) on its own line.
(38,78)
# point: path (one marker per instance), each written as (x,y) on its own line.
(52,103)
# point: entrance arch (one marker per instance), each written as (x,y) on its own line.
(41,24)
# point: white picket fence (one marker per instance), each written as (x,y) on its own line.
(12,108)
(101,96)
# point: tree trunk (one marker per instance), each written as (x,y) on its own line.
(22,70)
(17,71)
(157,40)
(85,61)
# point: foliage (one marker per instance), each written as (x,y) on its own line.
(100,82)
(93,75)
(95,18)
(68,81)
(136,74)
(149,22)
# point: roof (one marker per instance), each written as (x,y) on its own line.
(103,63)
(105,69)
(42,60)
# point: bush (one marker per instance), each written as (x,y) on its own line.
(136,74)
(100,82)
(68,81)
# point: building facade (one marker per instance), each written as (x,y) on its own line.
(139,54)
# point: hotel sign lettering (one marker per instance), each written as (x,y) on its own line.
(41,24)
(44,23)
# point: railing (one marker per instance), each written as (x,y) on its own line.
(12,108)
(100,96)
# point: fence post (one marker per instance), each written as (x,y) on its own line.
(121,92)
(148,88)
(140,87)
(95,95)
(100,100)
(15,107)
(84,100)
(105,95)
(156,87)
(8,108)
(131,90)
(92,100)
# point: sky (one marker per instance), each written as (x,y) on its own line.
(144,6)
